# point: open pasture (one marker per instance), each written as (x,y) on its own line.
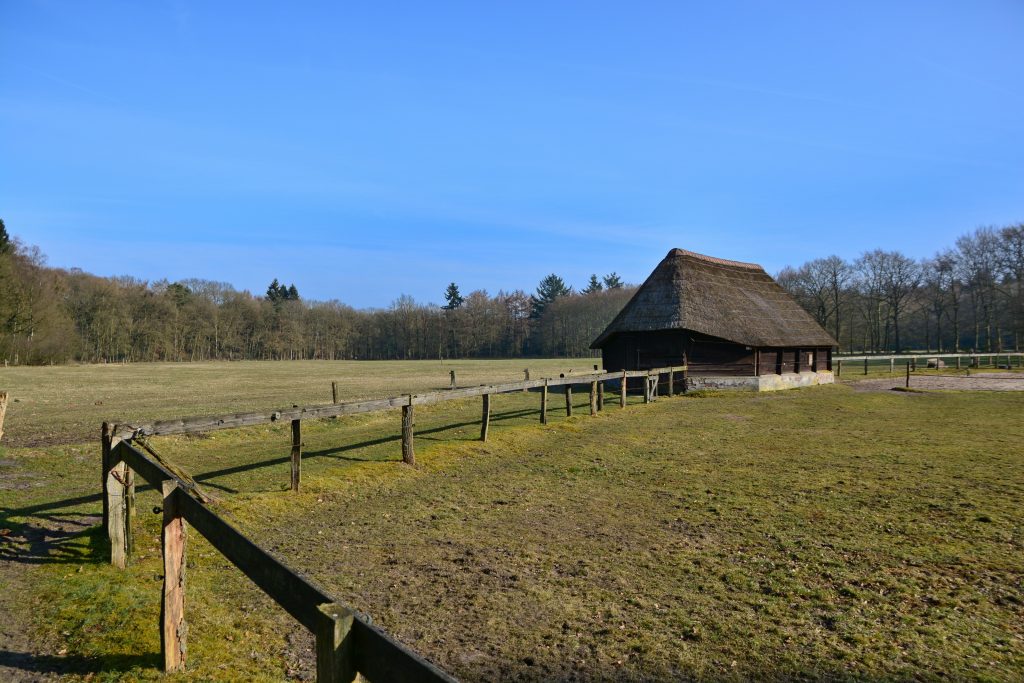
(819,533)
(66,404)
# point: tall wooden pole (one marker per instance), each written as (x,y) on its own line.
(568,400)
(296,453)
(593,398)
(544,402)
(600,396)
(622,390)
(408,450)
(485,419)
(120,496)
(908,374)
(172,609)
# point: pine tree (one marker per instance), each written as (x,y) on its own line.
(549,289)
(275,292)
(453,297)
(593,286)
(292,294)
(5,239)
(613,281)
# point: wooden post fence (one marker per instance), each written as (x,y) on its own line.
(544,403)
(334,393)
(892,365)
(453,379)
(865,366)
(600,396)
(408,453)
(622,390)
(296,454)
(345,642)
(908,374)
(593,398)
(672,381)
(958,362)
(568,400)
(839,368)
(172,609)
(485,419)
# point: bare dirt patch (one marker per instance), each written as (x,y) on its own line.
(989,381)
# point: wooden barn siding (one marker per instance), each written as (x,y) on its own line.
(706,355)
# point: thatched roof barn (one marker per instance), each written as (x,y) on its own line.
(719,317)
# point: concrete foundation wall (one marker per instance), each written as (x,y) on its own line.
(789,380)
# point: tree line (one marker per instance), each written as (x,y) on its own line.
(965,297)
(50,315)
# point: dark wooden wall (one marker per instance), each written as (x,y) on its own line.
(706,355)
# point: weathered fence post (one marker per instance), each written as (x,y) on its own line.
(408,451)
(296,453)
(865,365)
(485,419)
(622,390)
(335,656)
(595,367)
(600,396)
(958,362)
(105,469)
(892,365)
(173,630)
(672,381)
(839,367)
(568,400)
(120,497)
(593,398)
(526,378)
(334,392)
(908,374)
(3,411)
(647,388)
(544,402)
(453,379)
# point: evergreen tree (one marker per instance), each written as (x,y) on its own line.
(549,289)
(593,286)
(5,239)
(275,292)
(453,297)
(292,294)
(613,281)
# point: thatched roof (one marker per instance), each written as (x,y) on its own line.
(726,299)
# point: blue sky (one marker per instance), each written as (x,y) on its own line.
(364,152)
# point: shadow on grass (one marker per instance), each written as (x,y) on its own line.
(76,664)
(52,539)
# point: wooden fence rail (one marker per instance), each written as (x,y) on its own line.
(1008,360)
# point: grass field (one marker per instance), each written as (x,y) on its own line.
(814,534)
(66,404)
